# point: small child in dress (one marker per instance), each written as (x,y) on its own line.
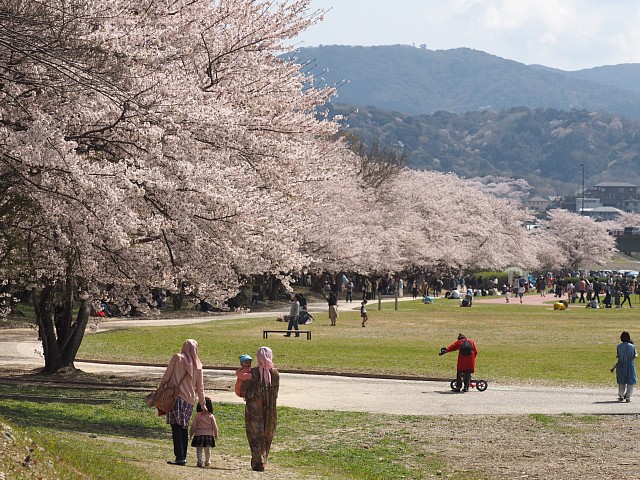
(243,374)
(507,293)
(363,312)
(204,431)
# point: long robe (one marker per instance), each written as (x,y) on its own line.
(626,368)
(260,416)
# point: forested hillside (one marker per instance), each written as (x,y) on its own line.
(625,76)
(420,81)
(543,146)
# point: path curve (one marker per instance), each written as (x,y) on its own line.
(19,351)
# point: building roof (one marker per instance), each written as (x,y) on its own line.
(538,199)
(616,184)
(605,210)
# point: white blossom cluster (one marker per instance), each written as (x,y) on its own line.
(163,144)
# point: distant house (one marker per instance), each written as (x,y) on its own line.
(538,203)
(631,205)
(602,214)
(589,203)
(614,194)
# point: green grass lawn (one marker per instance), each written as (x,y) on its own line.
(125,439)
(517,343)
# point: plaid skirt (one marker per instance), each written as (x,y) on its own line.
(203,441)
(180,414)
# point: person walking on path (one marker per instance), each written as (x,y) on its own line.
(260,415)
(332,301)
(520,292)
(204,431)
(293,316)
(424,289)
(414,289)
(625,367)
(185,372)
(467,352)
(367,289)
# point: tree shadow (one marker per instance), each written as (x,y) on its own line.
(105,419)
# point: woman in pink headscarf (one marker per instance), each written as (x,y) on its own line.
(260,416)
(185,372)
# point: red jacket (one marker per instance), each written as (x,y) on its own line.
(465,362)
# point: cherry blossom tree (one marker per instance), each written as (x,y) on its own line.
(157,144)
(548,250)
(445,221)
(503,187)
(151,144)
(582,239)
(423,220)
(626,219)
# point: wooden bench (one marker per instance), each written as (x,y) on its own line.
(265,333)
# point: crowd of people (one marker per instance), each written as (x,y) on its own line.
(612,292)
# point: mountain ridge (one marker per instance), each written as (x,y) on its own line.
(416,81)
(477,114)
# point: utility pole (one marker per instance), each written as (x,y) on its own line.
(582,205)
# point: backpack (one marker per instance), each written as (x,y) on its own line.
(467,348)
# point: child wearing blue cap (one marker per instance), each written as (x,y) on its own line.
(243,373)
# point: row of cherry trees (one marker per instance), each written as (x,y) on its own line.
(163,144)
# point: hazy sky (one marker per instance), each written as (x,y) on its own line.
(565,34)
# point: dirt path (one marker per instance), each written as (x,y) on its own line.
(530,299)
(19,350)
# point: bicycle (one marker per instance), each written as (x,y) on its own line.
(480,385)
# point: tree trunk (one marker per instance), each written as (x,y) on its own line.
(61,336)
(43,306)
(273,288)
(177,300)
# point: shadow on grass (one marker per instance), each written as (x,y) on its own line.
(115,418)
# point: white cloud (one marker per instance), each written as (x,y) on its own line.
(568,34)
